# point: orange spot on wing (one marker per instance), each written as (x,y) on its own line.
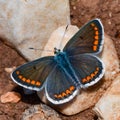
(92,75)
(96,72)
(38,83)
(63,94)
(97,68)
(59,96)
(68,91)
(96,37)
(94,48)
(96,32)
(33,82)
(84,80)
(28,80)
(95,42)
(23,79)
(20,76)
(55,96)
(95,28)
(17,72)
(88,78)
(72,88)
(92,24)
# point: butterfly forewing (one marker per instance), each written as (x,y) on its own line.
(88,39)
(33,74)
(60,87)
(88,68)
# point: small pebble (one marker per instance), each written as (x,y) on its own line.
(10,97)
(10,70)
(40,112)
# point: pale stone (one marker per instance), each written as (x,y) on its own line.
(40,112)
(58,39)
(89,97)
(29,23)
(10,70)
(108,107)
(110,59)
(10,97)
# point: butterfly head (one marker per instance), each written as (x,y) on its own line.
(56,51)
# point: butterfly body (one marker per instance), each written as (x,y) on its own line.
(62,60)
(75,67)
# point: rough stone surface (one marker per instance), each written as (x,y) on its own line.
(10,97)
(108,107)
(90,96)
(110,59)
(29,23)
(58,39)
(40,112)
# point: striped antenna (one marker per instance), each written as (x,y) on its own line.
(40,49)
(63,36)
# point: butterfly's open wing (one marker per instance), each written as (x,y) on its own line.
(32,75)
(60,87)
(88,68)
(89,39)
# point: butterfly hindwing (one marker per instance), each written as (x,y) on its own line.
(60,87)
(88,68)
(88,39)
(32,75)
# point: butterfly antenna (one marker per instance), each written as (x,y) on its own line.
(65,31)
(40,49)
(63,35)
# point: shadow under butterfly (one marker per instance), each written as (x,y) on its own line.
(71,69)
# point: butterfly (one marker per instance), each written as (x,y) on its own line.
(71,69)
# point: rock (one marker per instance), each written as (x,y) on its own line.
(108,107)
(10,70)
(40,112)
(56,39)
(89,97)
(10,97)
(29,23)
(110,59)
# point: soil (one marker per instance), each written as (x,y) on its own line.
(81,11)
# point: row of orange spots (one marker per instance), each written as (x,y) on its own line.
(89,78)
(96,37)
(33,82)
(67,92)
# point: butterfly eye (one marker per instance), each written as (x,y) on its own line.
(56,51)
